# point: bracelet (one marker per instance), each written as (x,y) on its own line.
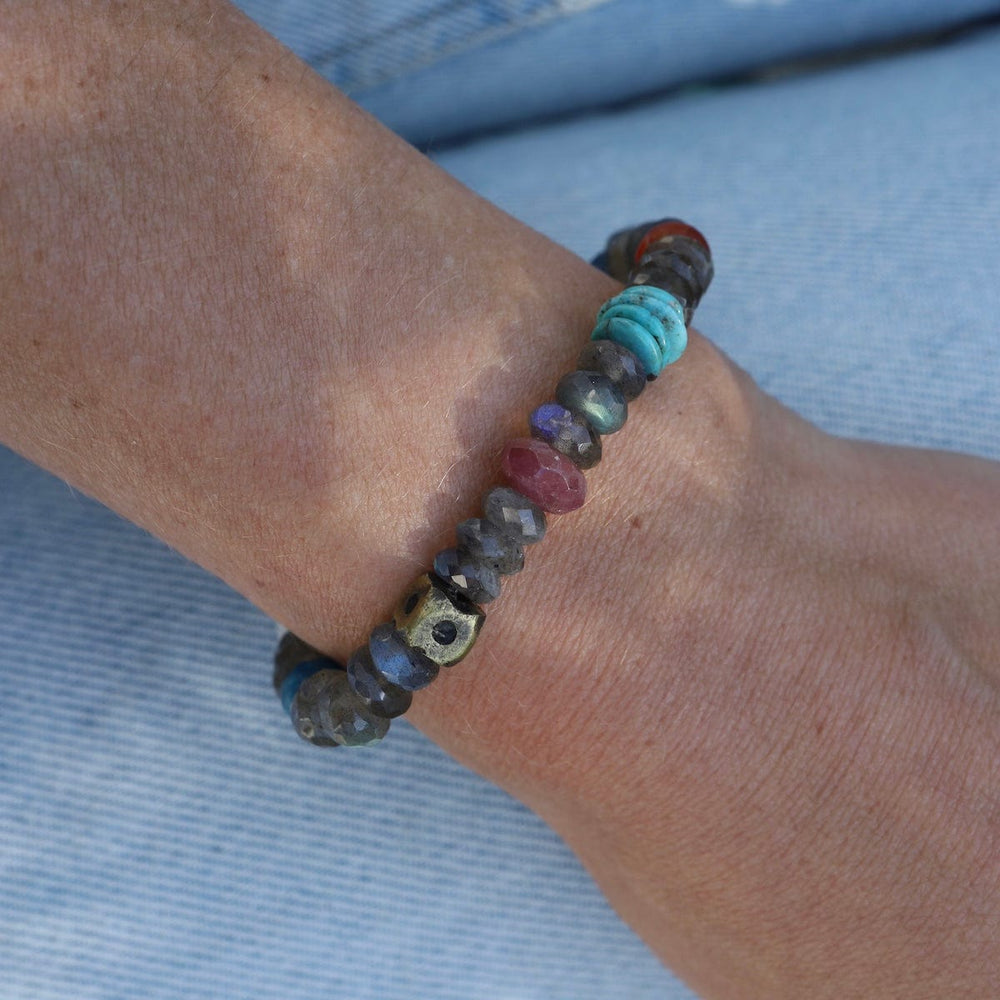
(667,267)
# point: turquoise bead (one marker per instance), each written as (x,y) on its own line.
(635,338)
(646,320)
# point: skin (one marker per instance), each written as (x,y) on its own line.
(754,682)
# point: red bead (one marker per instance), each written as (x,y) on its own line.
(544,476)
(669,227)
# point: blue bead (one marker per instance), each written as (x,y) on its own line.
(595,398)
(381,697)
(396,662)
(646,320)
(291,684)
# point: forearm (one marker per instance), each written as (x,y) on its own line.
(219,267)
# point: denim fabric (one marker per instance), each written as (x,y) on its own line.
(854,218)
(434,69)
(164,835)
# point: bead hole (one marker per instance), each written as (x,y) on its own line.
(411,603)
(444,633)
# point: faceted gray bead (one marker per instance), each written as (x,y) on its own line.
(669,281)
(477,579)
(487,542)
(381,696)
(514,514)
(699,269)
(595,398)
(327,712)
(618,363)
(397,662)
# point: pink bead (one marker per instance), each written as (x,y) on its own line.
(543,475)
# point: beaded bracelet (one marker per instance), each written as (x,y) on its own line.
(667,267)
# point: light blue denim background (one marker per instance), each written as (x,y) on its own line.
(162,832)
(433,69)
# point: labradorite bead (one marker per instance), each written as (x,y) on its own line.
(382,697)
(514,514)
(567,432)
(595,398)
(398,662)
(486,542)
(437,620)
(618,363)
(473,577)
(328,713)
(692,253)
(669,261)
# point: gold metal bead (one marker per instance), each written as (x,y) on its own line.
(442,624)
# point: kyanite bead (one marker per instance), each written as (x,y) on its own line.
(437,620)
(567,432)
(295,661)
(544,476)
(290,687)
(595,398)
(514,514)
(381,696)
(327,712)
(475,578)
(290,653)
(398,662)
(488,543)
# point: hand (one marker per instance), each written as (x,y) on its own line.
(753,682)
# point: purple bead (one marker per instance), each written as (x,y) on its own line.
(569,434)
(545,477)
